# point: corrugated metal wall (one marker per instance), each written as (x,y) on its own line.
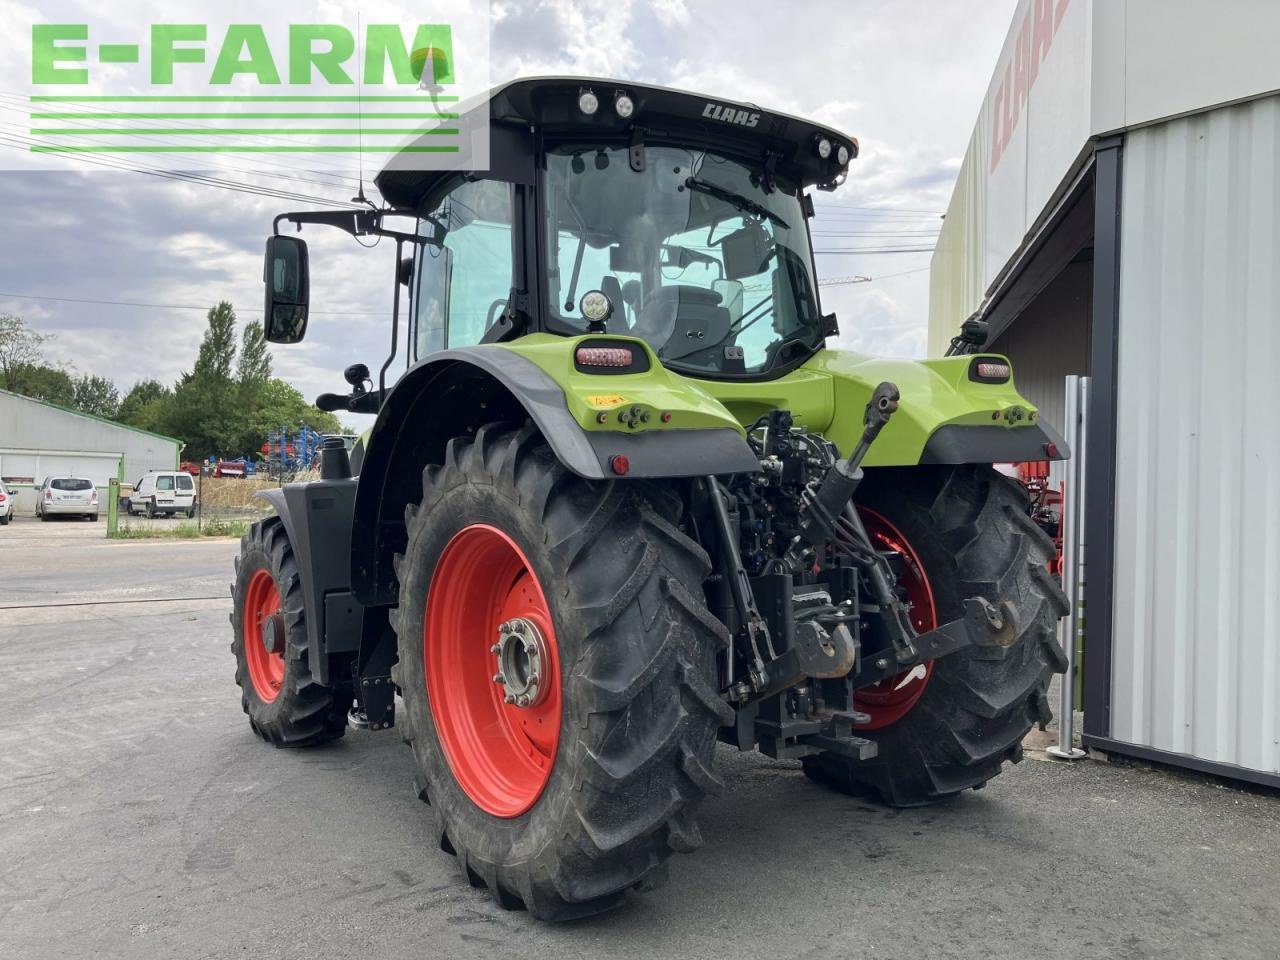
(1197,554)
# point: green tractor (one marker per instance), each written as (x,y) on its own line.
(623,504)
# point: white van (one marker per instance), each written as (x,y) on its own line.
(164,493)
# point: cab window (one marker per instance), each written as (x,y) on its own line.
(184,482)
(164,483)
(463,282)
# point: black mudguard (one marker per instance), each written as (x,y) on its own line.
(454,393)
(317,518)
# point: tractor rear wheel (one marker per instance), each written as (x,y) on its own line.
(557,665)
(285,704)
(950,725)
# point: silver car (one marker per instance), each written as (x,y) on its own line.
(71,496)
(6,504)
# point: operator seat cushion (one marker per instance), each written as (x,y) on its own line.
(681,319)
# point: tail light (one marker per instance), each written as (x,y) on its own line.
(94,497)
(48,494)
(2,498)
(604,356)
(990,370)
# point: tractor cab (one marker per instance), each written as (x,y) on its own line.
(617,209)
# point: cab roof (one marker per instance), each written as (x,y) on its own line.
(513,114)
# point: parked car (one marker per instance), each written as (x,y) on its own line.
(164,492)
(67,496)
(6,504)
(191,467)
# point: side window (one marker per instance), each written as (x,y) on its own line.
(164,483)
(463,285)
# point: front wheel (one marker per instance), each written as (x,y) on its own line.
(557,665)
(284,702)
(950,724)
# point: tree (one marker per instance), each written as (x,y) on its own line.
(141,405)
(218,348)
(19,349)
(255,362)
(43,382)
(96,395)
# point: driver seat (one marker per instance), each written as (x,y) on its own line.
(681,319)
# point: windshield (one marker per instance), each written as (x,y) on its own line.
(695,256)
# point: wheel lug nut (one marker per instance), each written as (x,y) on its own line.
(497,678)
(496,648)
(509,698)
(523,701)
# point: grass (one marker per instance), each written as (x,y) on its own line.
(213,527)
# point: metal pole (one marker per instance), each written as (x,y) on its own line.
(1069,627)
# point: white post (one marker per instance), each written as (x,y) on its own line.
(1071,626)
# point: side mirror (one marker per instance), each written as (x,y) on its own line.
(287,280)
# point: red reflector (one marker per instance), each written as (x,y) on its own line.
(1,498)
(604,356)
(1051,450)
(990,370)
(619,464)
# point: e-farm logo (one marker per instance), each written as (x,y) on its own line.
(382,89)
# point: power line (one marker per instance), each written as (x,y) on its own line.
(175,306)
(850,252)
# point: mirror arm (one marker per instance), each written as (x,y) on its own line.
(358,223)
(395,323)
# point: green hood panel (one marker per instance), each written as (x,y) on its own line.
(827,394)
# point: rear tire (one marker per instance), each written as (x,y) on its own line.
(151,509)
(636,650)
(285,704)
(970,529)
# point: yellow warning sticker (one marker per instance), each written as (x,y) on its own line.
(605,401)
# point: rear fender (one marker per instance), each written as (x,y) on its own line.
(455,392)
(946,417)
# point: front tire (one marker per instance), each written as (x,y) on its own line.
(968,526)
(622,760)
(285,704)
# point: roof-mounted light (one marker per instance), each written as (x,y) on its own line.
(623,105)
(823,146)
(842,155)
(588,102)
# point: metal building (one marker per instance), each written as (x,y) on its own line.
(1117,215)
(39,439)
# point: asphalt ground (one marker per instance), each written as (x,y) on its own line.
(140,818)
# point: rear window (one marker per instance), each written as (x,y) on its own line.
(164,483)
(184,482)
(72,484)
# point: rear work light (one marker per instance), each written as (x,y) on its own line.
(604,356)
(990,370)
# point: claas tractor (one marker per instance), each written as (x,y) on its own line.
(623,503)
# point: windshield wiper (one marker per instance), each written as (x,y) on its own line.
(746,204)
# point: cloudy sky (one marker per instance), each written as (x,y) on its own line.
(905,76)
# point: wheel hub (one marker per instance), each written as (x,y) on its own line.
(273,634)
(522,657)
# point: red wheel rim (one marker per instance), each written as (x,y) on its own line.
(261,603)
(501,753)
(891,699)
